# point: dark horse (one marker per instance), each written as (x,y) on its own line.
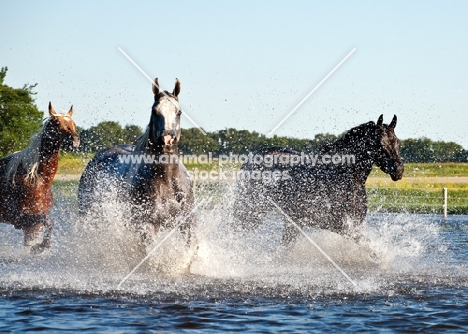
(325,190)
(26,179)
(147,174)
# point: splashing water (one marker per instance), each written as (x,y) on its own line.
(94,254)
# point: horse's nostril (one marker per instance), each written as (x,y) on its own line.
(168,140)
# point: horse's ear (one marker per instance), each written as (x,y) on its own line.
(70,112)
(393,123)
(380,121)
(176,90)
(155,87)
(51,110)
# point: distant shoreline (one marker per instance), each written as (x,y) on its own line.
(67,177)
(420,179)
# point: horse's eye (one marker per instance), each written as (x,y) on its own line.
(179,112)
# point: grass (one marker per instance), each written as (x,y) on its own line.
(420,190)
(417,200)
(65,190)
(446,169)
(73,163)
(409,200)
(428,184)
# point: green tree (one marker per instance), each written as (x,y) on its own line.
(193,141)
(104,135)
(131,133)
(426,150)
(322,139)
(19,116)
(107,134)
(446,151)
(276,140)
(238,141)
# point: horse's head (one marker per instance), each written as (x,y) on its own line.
(387,150)
(164,126)
(63,126)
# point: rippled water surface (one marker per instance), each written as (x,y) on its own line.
(408,274)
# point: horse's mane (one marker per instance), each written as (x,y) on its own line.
(141,143)
(27,158)
(349,138)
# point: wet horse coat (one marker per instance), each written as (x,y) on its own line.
(158,192)
(26,177)
(323,195)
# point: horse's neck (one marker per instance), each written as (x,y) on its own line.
(167,165)
(346,148)
(49,156)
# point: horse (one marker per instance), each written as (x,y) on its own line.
(147,174)
(325,190)
(26,177)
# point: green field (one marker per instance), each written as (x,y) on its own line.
(74,163)
(380,199)
(446,169)
(420,190)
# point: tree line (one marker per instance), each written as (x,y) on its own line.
(19,116)
(20,119)
(231,140)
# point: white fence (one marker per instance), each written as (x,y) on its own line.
(422,200)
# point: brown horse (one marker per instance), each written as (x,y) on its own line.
(26,179)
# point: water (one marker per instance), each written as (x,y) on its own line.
(410,274)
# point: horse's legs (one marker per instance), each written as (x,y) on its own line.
(47,233)
(289,235)
(39,248)
(148,233)
(31,233)
(248,212)
(186,230)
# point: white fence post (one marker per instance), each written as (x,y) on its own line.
(445,203)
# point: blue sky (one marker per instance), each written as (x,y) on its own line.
(246,64)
